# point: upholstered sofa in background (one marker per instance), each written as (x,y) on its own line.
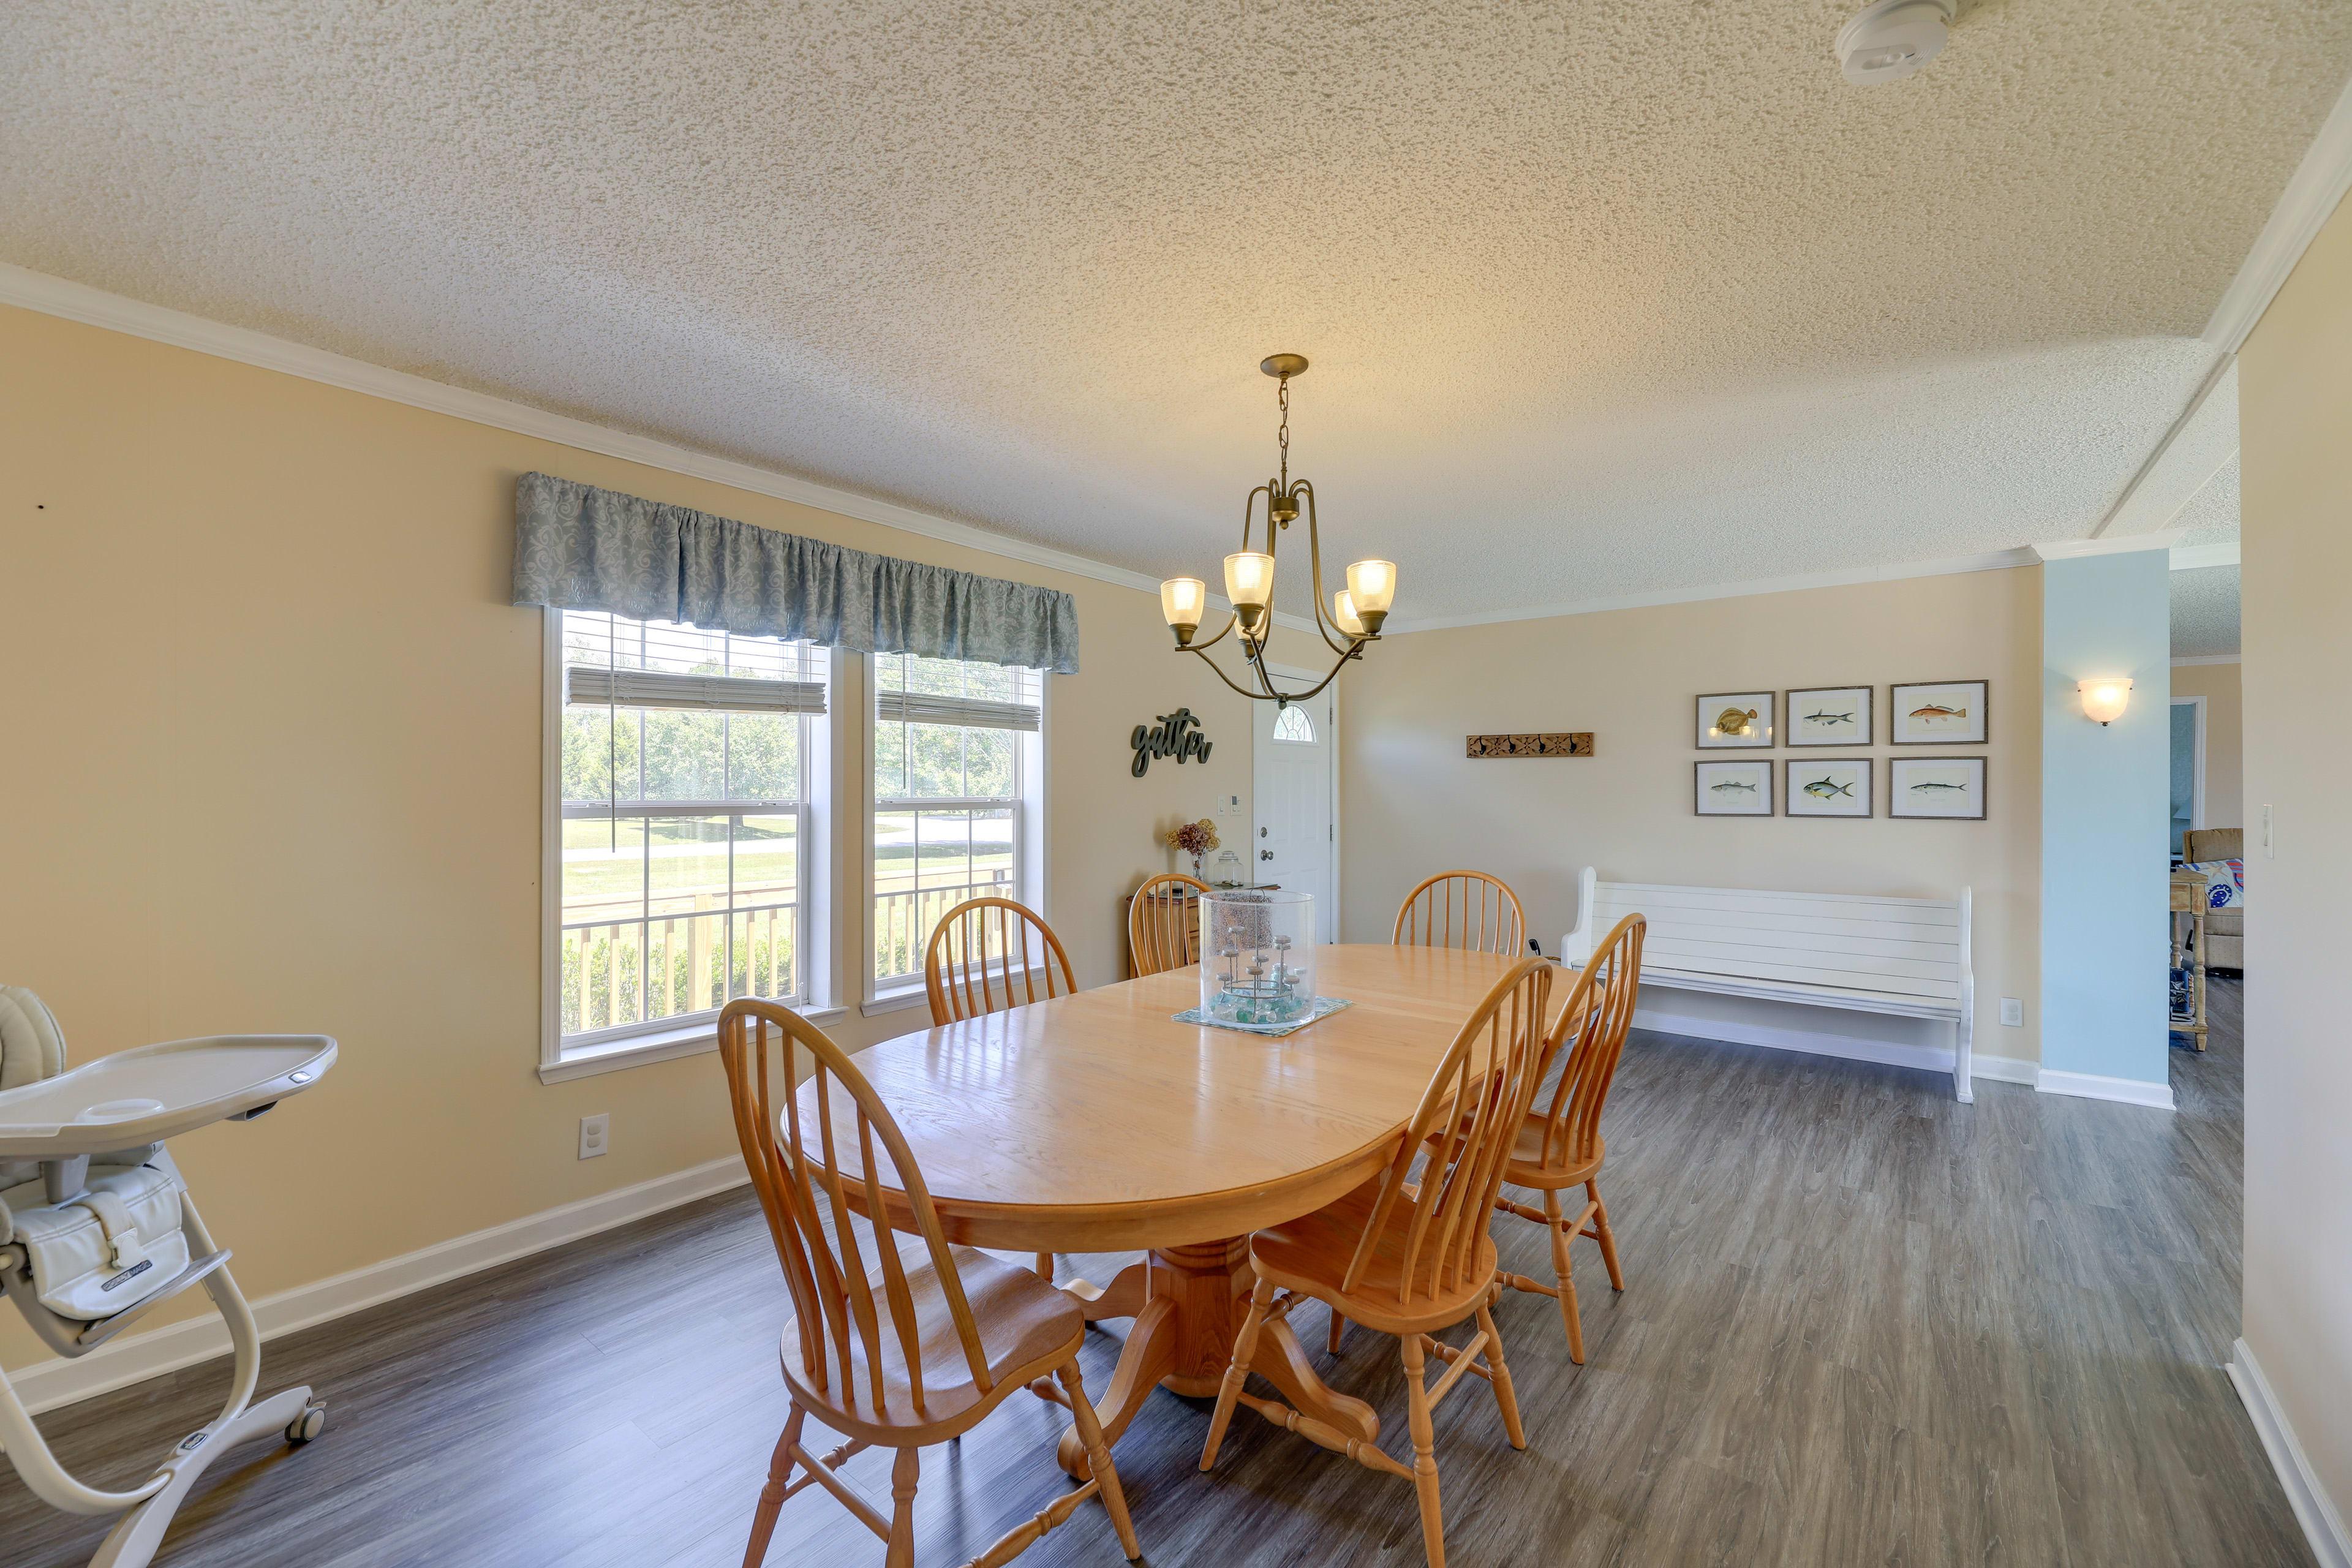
(2225,929)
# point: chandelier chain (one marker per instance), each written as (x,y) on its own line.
(1282,438)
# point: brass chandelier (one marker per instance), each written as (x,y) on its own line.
(1354,615)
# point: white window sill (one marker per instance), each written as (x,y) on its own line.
(659,1045)
(896,1002)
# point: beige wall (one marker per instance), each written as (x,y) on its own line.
(274,764)
(2294,417)
(1414,804)
(2225,767)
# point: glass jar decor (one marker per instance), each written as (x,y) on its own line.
(1257,955)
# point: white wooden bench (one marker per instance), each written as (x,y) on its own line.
(1908,957)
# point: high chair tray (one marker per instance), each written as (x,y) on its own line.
(149,1093)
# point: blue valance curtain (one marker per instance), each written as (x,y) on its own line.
(580,548)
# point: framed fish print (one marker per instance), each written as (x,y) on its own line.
(1938,713)
(1936,786)
(1735,789)
(1731,719)
(1829,786)
(1827,716)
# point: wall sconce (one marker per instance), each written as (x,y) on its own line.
(2105,698)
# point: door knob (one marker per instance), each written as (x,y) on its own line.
(1266,854)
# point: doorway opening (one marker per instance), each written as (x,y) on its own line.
(1295,799)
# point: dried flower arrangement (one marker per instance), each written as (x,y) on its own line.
(1194,838)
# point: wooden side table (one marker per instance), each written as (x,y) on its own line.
(2188,899)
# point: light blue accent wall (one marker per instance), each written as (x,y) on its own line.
(2106,816)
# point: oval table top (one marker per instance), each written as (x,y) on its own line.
(1094,1123)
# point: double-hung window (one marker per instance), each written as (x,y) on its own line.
(683,786)
(958,768)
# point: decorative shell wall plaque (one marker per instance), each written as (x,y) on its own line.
(1574,744)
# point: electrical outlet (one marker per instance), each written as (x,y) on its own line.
(2013,1012)
(595,1134)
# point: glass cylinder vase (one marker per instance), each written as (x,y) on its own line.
(1257,955)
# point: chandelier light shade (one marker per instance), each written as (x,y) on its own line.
(1343,613)
(1249,581)
(1356,612)
(1182,600)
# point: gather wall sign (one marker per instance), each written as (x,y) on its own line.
(1176,735)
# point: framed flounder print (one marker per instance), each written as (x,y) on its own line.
(1734,719)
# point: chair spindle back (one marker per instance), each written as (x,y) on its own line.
(1468,910)
(803,1184)
(1592,1024)
(1481,1091)
(980,933)
(1163,929)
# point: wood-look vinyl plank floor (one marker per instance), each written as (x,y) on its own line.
(1864,1325)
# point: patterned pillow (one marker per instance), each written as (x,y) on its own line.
(2225,882)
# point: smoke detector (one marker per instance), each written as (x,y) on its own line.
(1891,40)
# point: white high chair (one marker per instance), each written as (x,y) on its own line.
(97,1229)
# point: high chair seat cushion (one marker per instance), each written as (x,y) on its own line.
(103,1252)
(32,1047)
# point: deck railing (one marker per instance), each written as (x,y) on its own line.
(903,921)
(642,968)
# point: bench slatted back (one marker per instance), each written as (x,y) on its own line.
(1901,947)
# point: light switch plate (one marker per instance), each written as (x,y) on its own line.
(2013,1012)
(1229,805)
(595,1134)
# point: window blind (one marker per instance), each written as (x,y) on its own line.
(969,712)
(709,693)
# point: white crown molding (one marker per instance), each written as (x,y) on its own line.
(1994,560)
(2311,193)
(2075,549)
(2322,1526)
(2197,557)
(2162,487)
(160,323)
(2182,660)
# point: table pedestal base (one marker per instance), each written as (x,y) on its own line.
(1187,1302)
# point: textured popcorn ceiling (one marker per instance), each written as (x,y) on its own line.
(2205,611)
(1604,297)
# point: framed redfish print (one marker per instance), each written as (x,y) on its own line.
(1938,713)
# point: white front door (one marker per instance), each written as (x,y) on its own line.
(1293,842)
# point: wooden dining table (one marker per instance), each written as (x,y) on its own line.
(1094,1123)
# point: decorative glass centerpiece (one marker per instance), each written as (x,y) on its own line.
(1257,955)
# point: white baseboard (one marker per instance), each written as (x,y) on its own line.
(2005,1069)
(2090,1086)
(2314,1509)
(134,1358)
(1890,1053)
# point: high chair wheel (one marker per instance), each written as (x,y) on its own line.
(307,1426)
